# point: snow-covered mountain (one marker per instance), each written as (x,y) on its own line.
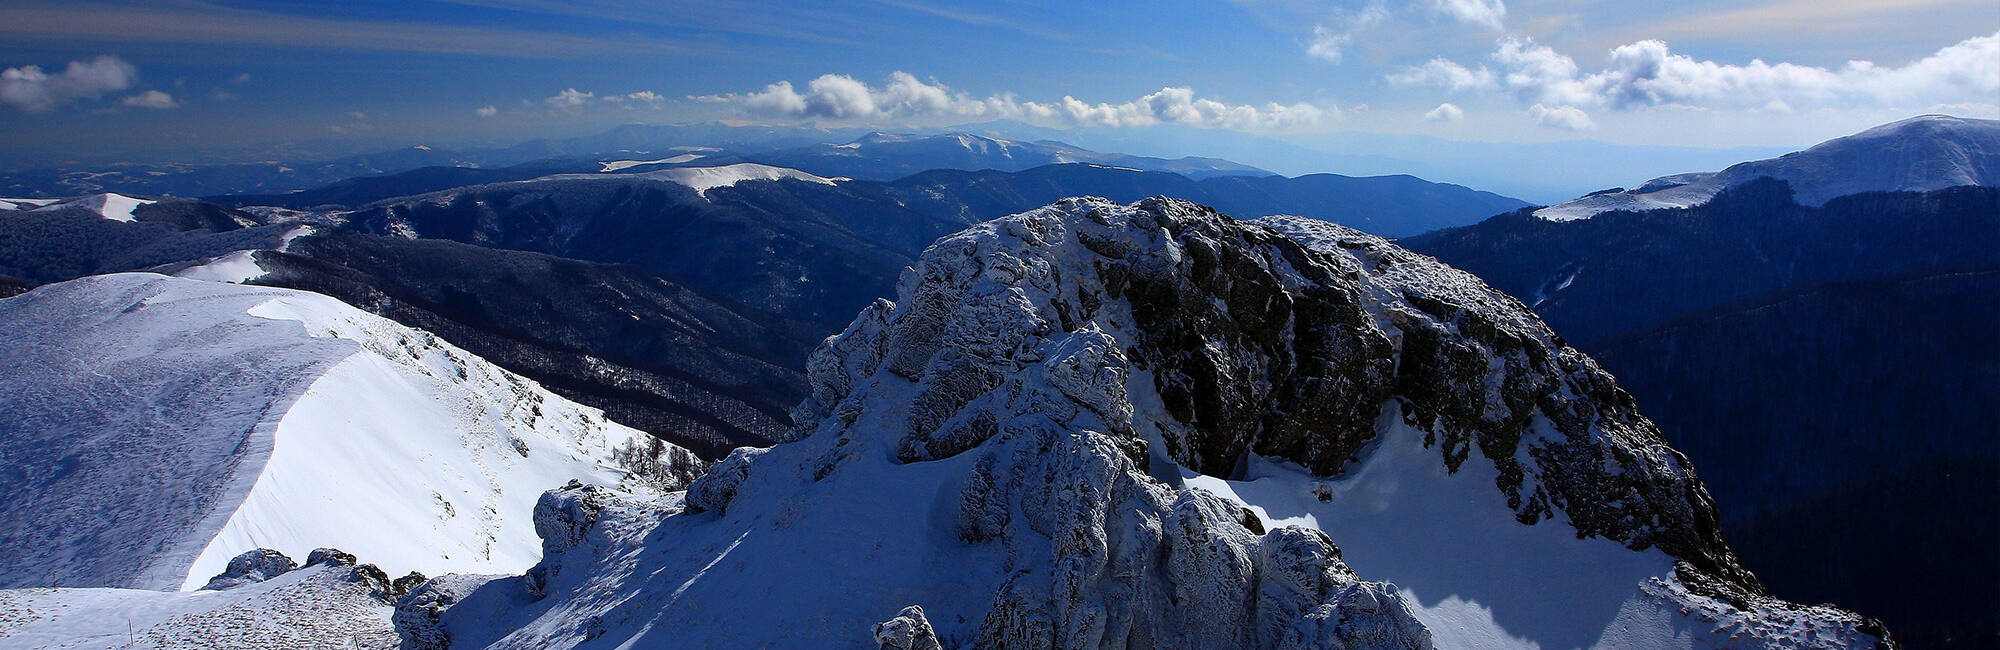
(1149,425)
(157,427)
(889,156)
(1929,152)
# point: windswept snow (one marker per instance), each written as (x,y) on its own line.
(160,426)
(1920,154)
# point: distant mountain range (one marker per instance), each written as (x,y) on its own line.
(1800,326)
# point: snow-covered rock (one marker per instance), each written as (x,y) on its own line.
(1061,433)
(157,427)
(1920,154)
(252,567)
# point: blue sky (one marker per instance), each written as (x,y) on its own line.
(160,75)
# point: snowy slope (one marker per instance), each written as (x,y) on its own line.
(1929,152)
(326,605)
(1031,445)
(159,426)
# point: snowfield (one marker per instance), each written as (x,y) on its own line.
(159,426)
(1920,154)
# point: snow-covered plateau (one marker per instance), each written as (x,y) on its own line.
(156,427)
(1095,425)
(1930,152)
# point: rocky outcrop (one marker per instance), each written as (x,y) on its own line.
(251,567)
(1283,338)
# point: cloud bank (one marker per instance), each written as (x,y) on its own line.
(907,99)
(29,89)
(1649,74)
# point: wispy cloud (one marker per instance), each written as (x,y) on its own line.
(29,89)
(151,99)
(1330,41)
(907,99)
(1485,13)
(202,23)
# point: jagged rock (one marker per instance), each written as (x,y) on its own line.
(402,586)
(909,630)
(252,566)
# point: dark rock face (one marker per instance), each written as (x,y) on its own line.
(251,567)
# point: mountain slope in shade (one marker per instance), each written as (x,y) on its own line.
(160,426)
(691,368)
(1924,153)
(1099,425)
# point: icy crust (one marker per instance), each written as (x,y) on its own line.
(158,427)
(1028,449)
(1920,154)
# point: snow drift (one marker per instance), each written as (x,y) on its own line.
(1095,425)
(156,427)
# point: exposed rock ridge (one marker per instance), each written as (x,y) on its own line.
(1285,338)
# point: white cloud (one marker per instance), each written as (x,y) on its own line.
(1444,73)
(1446,112)
(357,115)
(645,96)
(1649,74)
(1330,43)
(570,98)
(151,99)
(1568,118)
(29,89)
(1485,13)
(241,78)
(843,99)
(486,111)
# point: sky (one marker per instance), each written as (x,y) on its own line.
(169,75)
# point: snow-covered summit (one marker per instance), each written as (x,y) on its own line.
(1929,152)
(1149,425)
(156,427)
